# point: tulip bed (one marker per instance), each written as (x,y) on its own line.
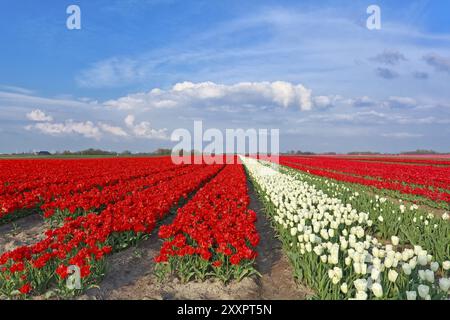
(88,232)
(420,183)
(214,234)
(339,251)
(26,184)
(428,162)
(390,218)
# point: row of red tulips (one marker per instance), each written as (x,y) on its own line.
(83,241)
(426,176)
(416,161)
(214,234)
(26,175)
(99,197)
(78,179)
(438,196)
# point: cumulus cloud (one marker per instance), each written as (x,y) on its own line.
(38,116)
(144,129)
(86,129)
(322,102)
(207,94)
(386,73)
(89,129)
(438,62)
(362,102)
(389,57)
(116,131)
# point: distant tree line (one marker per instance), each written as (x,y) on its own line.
(298,152)
(367,153)
(420,151)
(165,152)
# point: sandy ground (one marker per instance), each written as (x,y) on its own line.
(24,231)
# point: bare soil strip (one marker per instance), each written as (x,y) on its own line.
(24,231)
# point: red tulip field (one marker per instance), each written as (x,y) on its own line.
(330,227)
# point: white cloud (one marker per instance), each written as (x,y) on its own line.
(207,94)
(39,116)
(326,101)
(86,129)
(116,131)
(129,120)
(362,102)
(144,129)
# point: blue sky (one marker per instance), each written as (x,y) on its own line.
(138,69)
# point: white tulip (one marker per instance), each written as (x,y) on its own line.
(411,295)
(422,260)
(388,262)
(423,290)
(434,266)
(392,275)
(361,295)
(318,250)
(357,267)
(331,273)
(413,263)
(444,284)
(344,288)
(374,274)
(395,240)
(360,285)
(375,252)
(377,290)
(422,275)
(363,268)
(308,247)
(417,249)
(406,269)
(446,265)
(348,261)
(429,276)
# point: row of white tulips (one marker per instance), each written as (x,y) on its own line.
(331,250)
(390,217)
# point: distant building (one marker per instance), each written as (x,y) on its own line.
(43,153)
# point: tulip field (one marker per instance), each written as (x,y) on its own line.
(351,228)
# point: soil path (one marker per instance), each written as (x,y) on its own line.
(24,231)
